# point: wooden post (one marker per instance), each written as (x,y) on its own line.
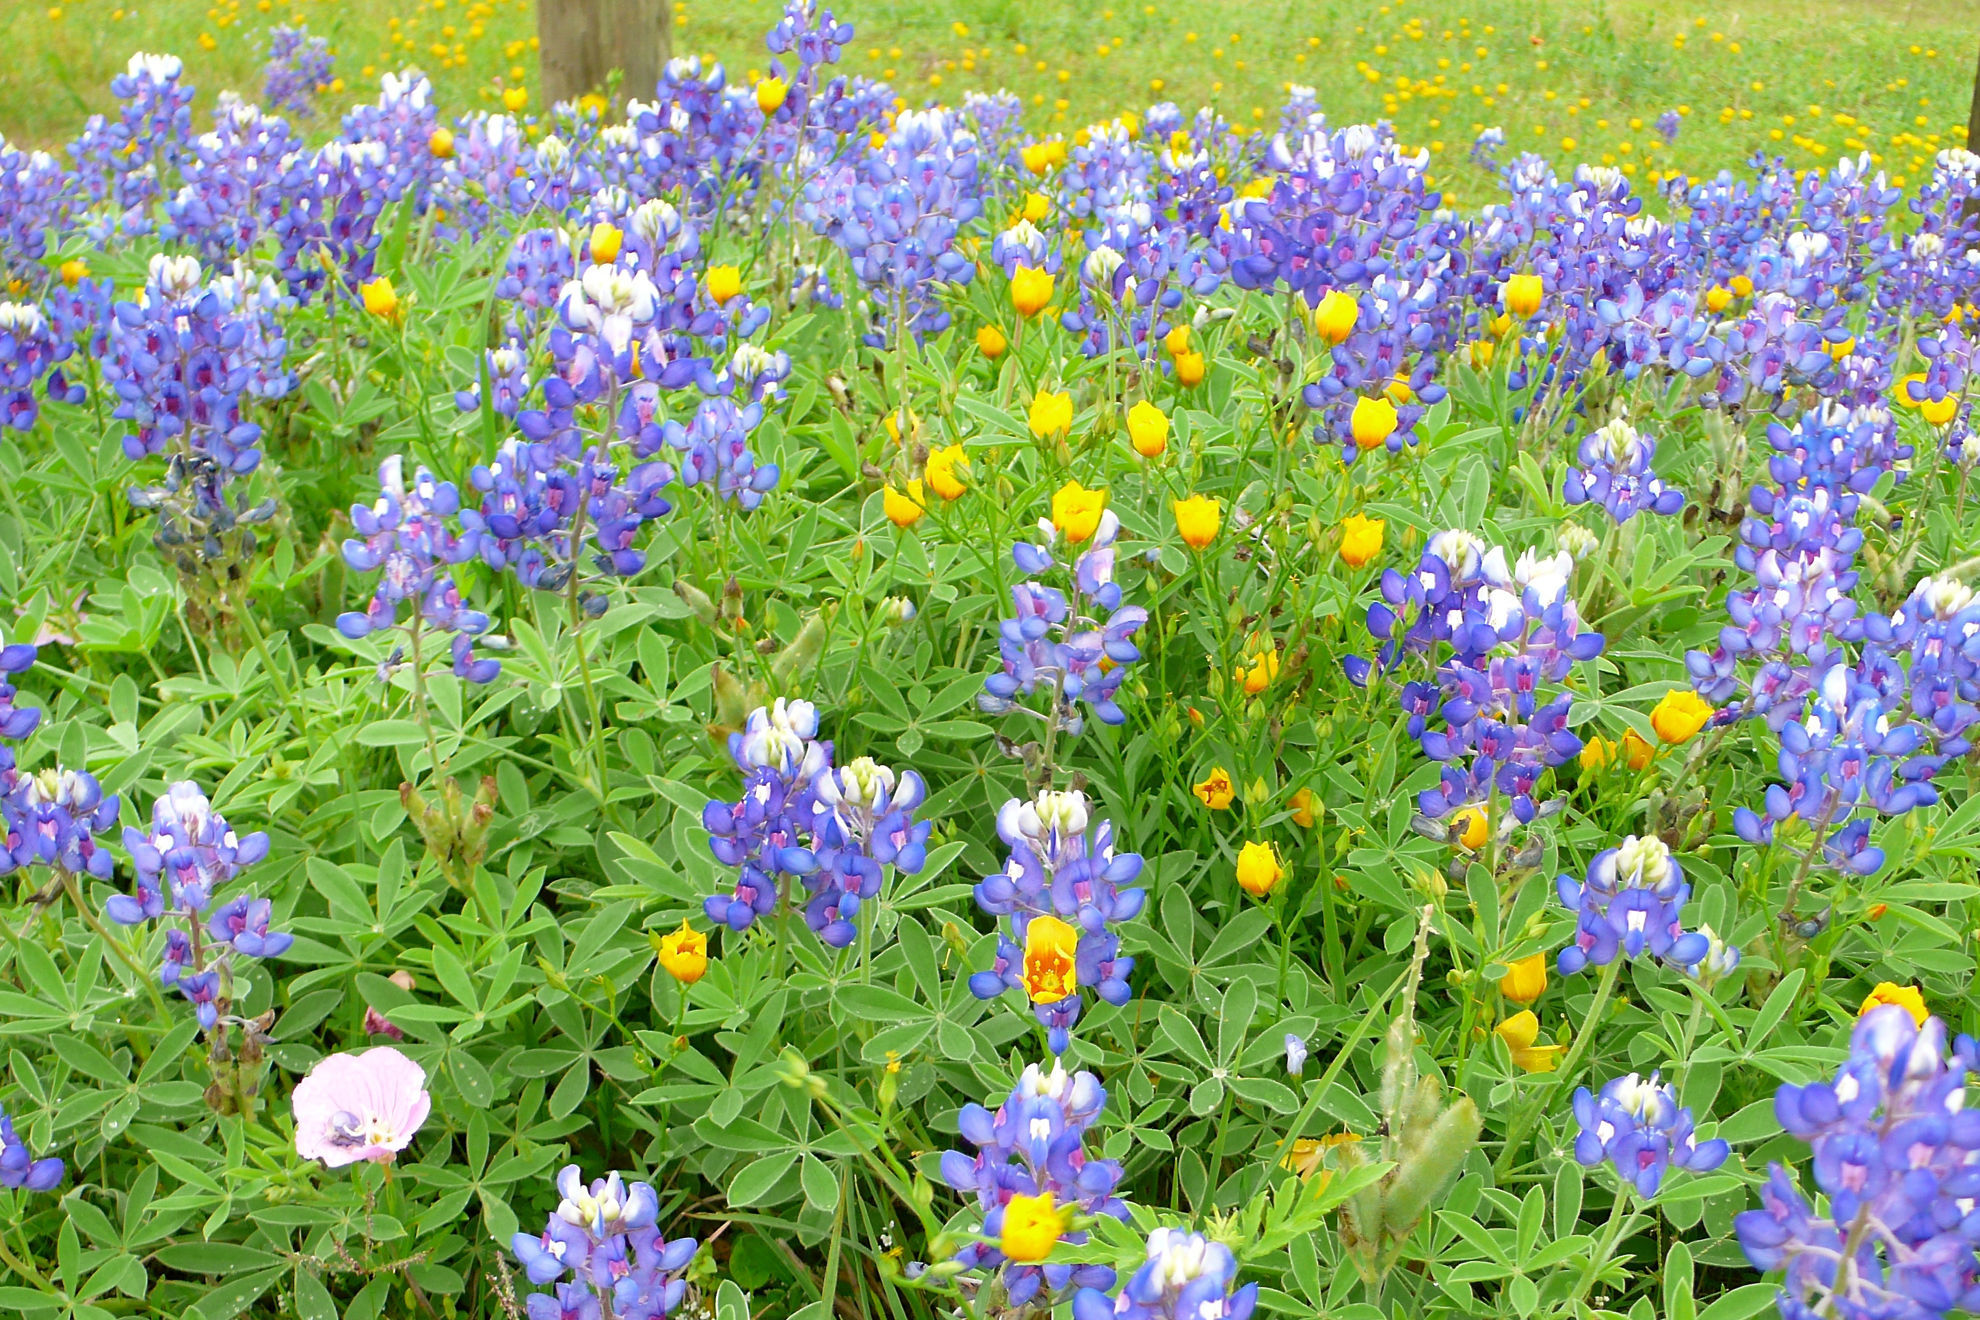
(582,41)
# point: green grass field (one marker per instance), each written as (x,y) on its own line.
(1810,79)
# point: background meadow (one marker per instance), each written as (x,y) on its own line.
(790,702)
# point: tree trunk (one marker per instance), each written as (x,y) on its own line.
(583,41)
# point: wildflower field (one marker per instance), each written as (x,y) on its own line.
(827,691)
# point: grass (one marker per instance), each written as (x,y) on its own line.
(1575,82)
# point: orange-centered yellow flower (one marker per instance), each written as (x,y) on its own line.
(990,342)
(1525,979)
(1051,413)
(1521,295)
(1680,715)
(1361,539)
(941,471)
(1334,318)
(1148,429)
(1372,422)
(380,299)
(1076,511)
(1636,752)
(724,283)
(1189,370)
(1520,1032)
(1032,1225)
(1908,997)
(904,510)
(1258,869)
(1176,342)
(1197,519)
(683,953)
(1031,290)
(1305,808)
(770,94)
(1216,792)
(606,239)
(1050,949)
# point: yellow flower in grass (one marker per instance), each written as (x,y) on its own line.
(1525,980)
(606,239)
(1680,715)
(1076,511)
(380,299)
(1197,519)
(724,283)
(1032,1226)
(1216,792)
(1051,413)
(1521,294)
(1258,869)
(1372,422)
(1031,289)
(1470,827)
(1051,948)
(1148,429)
(1907,997)
(904,510)
(941,472)
(1335,317)
(683,953)
(1259,668)
(515,99)
(1520,1032)
(1361,539)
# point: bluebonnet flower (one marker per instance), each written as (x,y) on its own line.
(30,350)
(1631,904)
(1064,875)
(1668,124)
(1034,1144)
(121,161)
(1843,759)
(16,721)
(1508,632)
(1721,960)
(181,864)
(864,823)
(406,533)
(714,448)
(1186,1276)
(20,1170)
(1894,1150)
(897,215)
(1616,474)
(52,818)
(1054,642)
(768,831)
(298,68)
(505,371)
(604,1236)
(1937,630)
(1485,148)
(1638,1126)
(1295,1054)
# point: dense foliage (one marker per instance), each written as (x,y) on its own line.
(781,704)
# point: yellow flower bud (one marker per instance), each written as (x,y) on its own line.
(1525,979)
(1031,290)
(380,299)
(903,510)
(990,342)
(1148,429)
(1361,539)
(1197,520)
(1680,715)
(724,283)
(1258,869)
(606,239)
(1335,317)
(1521,295)
(1372,422)
(770,94)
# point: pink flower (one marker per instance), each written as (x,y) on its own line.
(355,1107)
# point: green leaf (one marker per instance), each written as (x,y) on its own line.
(760,1177)
(391,733)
